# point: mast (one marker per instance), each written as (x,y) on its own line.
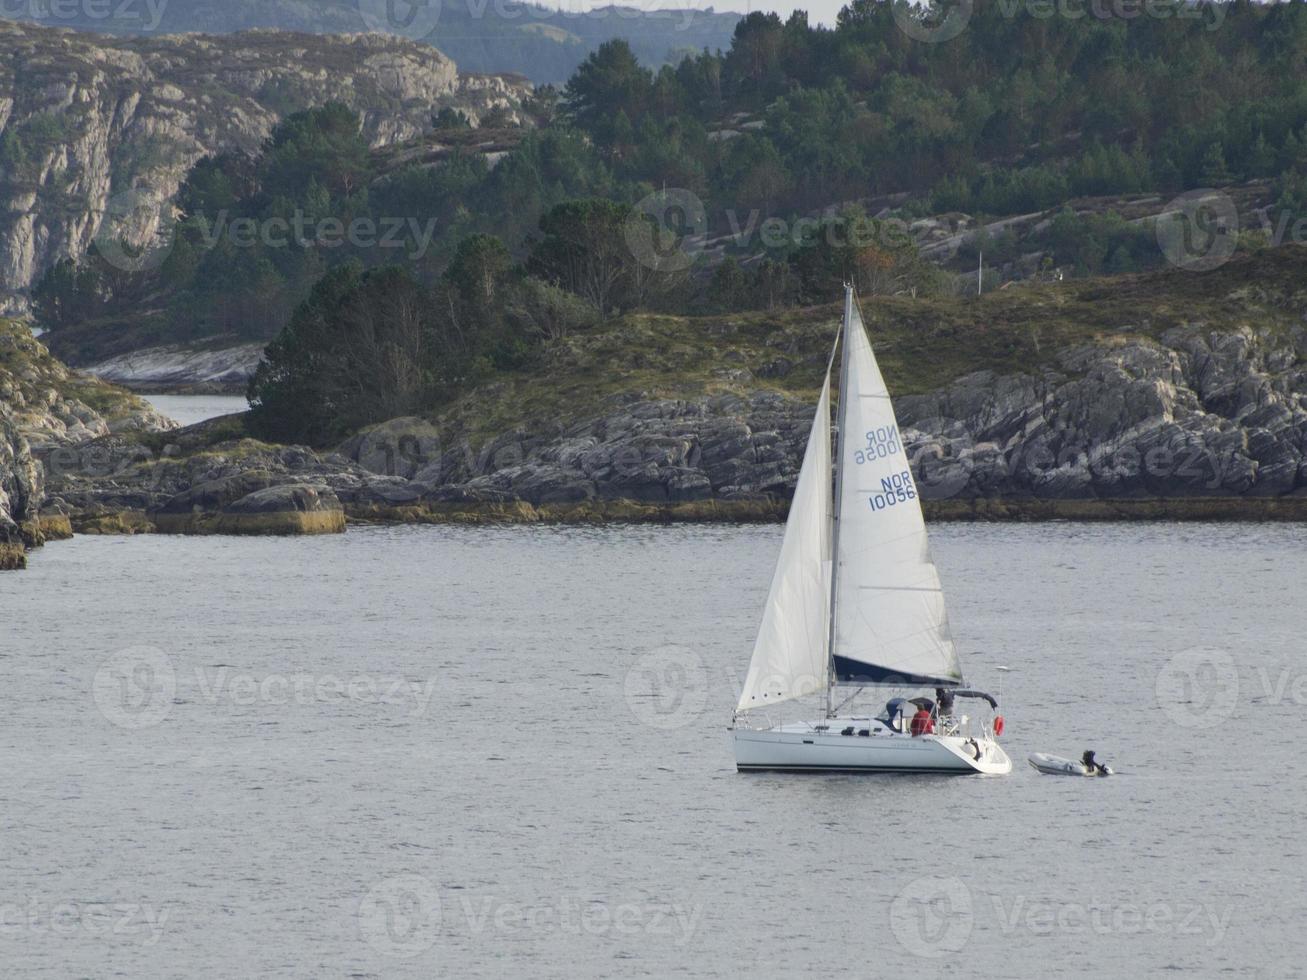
(839,487)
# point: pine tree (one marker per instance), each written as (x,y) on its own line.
(1213,172)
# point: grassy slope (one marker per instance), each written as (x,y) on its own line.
(28,366)
(922,344)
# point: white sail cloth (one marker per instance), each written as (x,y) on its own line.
(790,655)
(890,622)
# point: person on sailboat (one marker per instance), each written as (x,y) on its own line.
(945,702)
(922,723)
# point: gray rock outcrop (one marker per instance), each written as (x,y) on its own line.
(177,368)
(51,404)
(21,493)
(1198,414)
(96,128)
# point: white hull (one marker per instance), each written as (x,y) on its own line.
(801,748)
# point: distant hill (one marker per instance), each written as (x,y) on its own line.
(95,128)
(544,44)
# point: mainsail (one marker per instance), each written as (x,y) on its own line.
(890,623)
(881,619)
(790,655)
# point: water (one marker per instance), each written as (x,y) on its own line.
(190,409)
(565,803)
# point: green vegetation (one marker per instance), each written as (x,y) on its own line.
(921,344)
(491,271)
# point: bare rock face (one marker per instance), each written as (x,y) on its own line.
(51,404)
(44,408)
(252,502)
(1201,414)
(21,493)
(97,129)
(1216,414)
(179,368)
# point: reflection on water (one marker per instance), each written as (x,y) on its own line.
(435,751)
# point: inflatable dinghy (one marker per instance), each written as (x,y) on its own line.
(1055,765)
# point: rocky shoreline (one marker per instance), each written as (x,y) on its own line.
(1202,426)
(1197,425)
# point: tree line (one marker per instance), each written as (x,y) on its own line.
(484,264)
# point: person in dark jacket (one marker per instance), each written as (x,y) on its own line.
(1094,767)
(945,702)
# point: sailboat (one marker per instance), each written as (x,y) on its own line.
(856,604)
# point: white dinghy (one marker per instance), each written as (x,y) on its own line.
(1055,765)
(856,603)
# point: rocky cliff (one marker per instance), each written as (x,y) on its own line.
(20,495)
(96,129)
(1158,386)
(44,407)
(1202,423)
(192,370)
(52,405)
(1159,395)
(1198,413)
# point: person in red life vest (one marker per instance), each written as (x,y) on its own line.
(922,723)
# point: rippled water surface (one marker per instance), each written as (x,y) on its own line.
(502,752)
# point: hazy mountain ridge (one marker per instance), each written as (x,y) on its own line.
(542,43)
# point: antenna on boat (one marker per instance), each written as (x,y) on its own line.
(1001,671)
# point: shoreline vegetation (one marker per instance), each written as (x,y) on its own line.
(614,512)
